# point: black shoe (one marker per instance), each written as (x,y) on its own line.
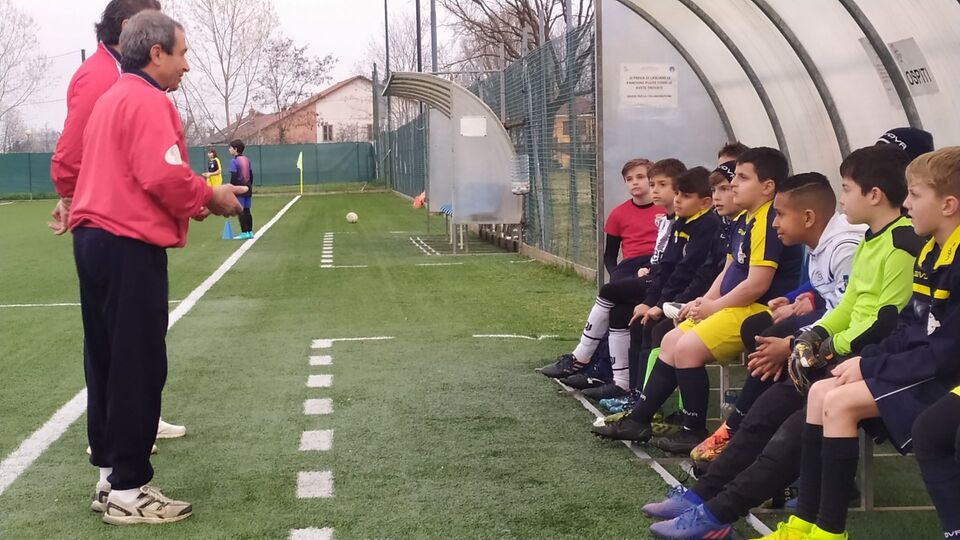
(624,429)
(681,442)
(607,391)
(565,366)
(581,381)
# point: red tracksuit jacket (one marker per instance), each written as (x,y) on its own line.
(94,77)
(135,181)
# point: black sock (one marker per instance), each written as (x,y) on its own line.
(695,388)
(663,380)
(752,388)
(808,503)
(840,458)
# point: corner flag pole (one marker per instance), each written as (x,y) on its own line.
(300,166)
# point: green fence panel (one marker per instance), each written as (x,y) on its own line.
(273,165)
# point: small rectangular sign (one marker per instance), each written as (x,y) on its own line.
(648,85)
(473,126)
(913,65)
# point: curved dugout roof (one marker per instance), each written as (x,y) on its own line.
(471,159)
(819,78)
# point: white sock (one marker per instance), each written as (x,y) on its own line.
(619,351)
(597,324)
(125,496)
(105,472)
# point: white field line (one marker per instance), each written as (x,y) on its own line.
(425,252)
(319,381)
(316,441)
(322,360)
(6,203)
(60,304)
(312,534)
(671,481)
(344,266)
(426,245)
(327,343)
(314,484)
(33,446)
(440,264)
(315,407)
(516,336)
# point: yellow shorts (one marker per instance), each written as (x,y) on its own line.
(720,332)
(215,180)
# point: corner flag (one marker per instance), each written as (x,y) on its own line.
(300,166)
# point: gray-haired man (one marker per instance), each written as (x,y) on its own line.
(134,198)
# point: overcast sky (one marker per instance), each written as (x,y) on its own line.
(339,27)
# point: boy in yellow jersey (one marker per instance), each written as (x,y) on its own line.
(759,269)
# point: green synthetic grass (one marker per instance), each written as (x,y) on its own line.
(437,434)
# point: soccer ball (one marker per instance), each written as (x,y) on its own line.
(352,217)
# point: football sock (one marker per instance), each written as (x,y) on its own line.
(619,352)
(695,385)
(840,458)
(598,322)
(662,382)
(808,503)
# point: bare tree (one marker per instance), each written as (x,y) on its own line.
(12,131)
(403,57)
(227,39)
(484,25)
(291,74)
(22,68)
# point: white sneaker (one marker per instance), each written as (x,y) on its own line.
(151,506)
(99,503)
(170,431)
(152,450)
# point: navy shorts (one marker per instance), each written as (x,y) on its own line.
(900,404)
(245,200)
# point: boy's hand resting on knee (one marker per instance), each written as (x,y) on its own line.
(769,358)
(702,309)
(652,314)
(848,371)
(638,313)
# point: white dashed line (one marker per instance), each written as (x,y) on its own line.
(312,534)
(321,360)
(315,407)
(327,343)
(316,441)
(315,485)
(320,381)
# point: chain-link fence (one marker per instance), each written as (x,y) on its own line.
(547,102)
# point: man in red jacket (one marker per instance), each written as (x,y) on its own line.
(90,81)
(134,197)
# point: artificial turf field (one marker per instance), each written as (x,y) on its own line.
(436,433)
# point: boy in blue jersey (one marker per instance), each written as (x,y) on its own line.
(759,269)
(241,174)
(891,383)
